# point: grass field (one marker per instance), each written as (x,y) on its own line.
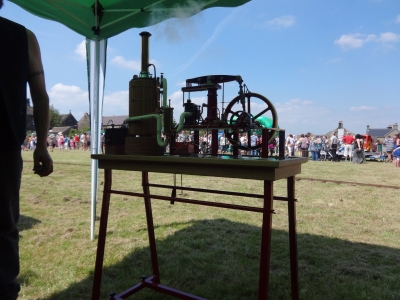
(348,235)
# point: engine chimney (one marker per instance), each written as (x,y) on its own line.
(144,71)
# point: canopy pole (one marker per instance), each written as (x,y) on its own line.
(96,56)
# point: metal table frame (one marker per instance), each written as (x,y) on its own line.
(267,170)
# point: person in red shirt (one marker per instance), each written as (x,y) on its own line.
(348,141)
(76,140)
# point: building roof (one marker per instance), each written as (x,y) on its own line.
(68,119)
(62,129)
(379,132)
(64,116)
(116,120)
(85,118)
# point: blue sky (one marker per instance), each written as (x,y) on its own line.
(318,62)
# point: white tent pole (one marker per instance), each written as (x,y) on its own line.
(94,75)
(96,54)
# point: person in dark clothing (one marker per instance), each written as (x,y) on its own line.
(333,141)
(20,63)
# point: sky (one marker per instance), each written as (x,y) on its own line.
(318,62)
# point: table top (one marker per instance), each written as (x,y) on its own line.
(270,168)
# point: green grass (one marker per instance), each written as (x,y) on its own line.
(348,235)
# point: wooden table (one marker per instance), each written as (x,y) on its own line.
(267,170)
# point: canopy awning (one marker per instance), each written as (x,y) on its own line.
(116,16)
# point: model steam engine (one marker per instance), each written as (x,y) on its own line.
(151,122)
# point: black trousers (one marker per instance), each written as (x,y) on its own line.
(10,183)
(304,152)
(333,151)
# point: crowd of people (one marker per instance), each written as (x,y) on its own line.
(306,145)
(352,146)
(316,145)
(224,144)
(59,141)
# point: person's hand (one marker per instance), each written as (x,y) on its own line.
(42,162)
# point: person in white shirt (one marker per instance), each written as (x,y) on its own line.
(222,143)
(290,145)
(253,143)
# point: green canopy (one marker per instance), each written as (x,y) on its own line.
(116,16)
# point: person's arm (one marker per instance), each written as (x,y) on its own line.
(43,164)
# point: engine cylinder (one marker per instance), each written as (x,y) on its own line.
(144,99)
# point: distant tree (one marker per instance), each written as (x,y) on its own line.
(85,129)
(55,118)
(73,131)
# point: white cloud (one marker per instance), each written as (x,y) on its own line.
(388,37)
(80,50)
(181,83)
(293,105)
(354,40)
(284,21)
(398,18)
(123,63)
(357,40)
(302,116)
(134,65)
(334,60)
(362,108)
(116,103)
(176,101)
(67,98)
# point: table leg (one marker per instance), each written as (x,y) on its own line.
(265,241)
(264,146)
(150,227)
(98,269)
(214,142)
(294,269)
(282,144)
